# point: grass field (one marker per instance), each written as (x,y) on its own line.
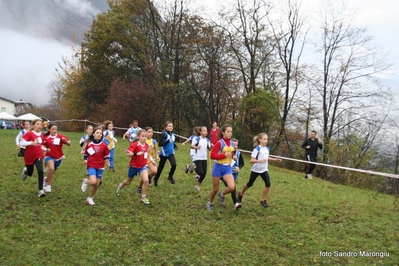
(309,222)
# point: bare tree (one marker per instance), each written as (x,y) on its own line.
(249,39)
(348,65)
(55,91)
(290,38)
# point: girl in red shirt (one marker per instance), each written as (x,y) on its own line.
(33,141)
(96,155)
(138,151)
(54,156)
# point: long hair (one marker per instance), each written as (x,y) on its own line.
(50,125)
(91,137)
(257,138)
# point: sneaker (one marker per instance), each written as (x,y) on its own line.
(89,201)
(186,170)
(84,185)
(239,196)
(209,206)
(145,201)
(221,199)
(172,181)
(264,203)
(310,176)
(24,175)
(192,168)
(118,190)
(41,194)
(138,191)
(197,187)
(47,188)
(237,206)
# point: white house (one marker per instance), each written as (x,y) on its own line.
(15,108)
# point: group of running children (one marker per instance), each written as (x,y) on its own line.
(98,147)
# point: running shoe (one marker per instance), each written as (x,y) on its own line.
(41,194)
(264,203)
(186,170)
(118,190)
(89,201)
(237,206)
(84,185)
(221,199)
(209,206)
(23,174)
(172,181)
(145,201)
(47,188)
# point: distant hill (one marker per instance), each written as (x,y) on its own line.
(62,20)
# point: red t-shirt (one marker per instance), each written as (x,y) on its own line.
(55,143)
(96,153)
(214,135)
(32,153)
(138,161)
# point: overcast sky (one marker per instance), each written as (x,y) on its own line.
(28,63)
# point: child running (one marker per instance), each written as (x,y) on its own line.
(110,140)
(96,153)
(237,163)
(201,145)
(131,133)
(191,167)
(54,155)
(33,141)
(259,159)
(22,133)
(85,138)
(168,146)
(222,152)
(152,158)
(138,151)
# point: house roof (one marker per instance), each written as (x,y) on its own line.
(7,100)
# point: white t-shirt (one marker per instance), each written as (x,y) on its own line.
(201,153)
(263,154)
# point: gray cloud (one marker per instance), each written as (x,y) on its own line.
(28,66)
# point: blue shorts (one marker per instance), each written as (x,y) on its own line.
(220,170)
(56,162)
(133,171)
(95,171)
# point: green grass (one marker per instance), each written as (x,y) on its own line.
(305,218)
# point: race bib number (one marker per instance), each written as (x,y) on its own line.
(56,141)
(39,140)
(91,151)
(145,155)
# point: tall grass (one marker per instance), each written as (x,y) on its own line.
(308,221)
